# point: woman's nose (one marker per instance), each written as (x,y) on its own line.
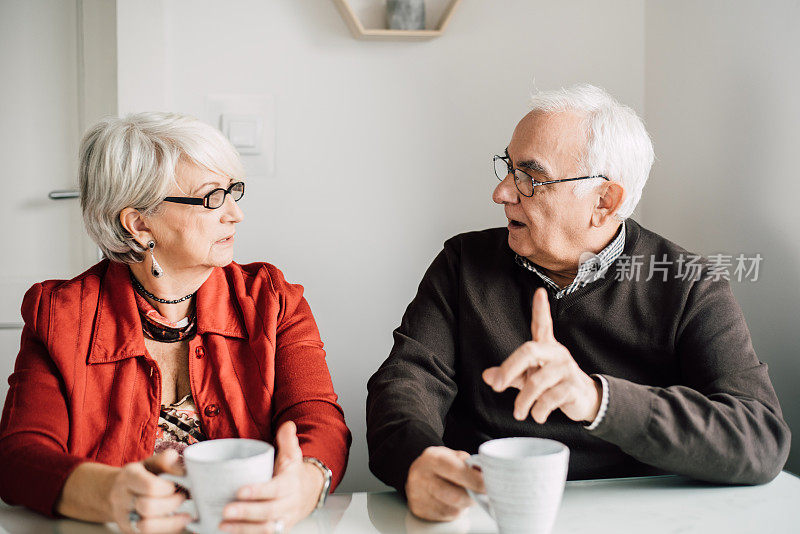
(232,211)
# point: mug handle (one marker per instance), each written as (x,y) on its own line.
(480,498)
(194,526)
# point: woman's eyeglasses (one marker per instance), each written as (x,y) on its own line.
(213,200)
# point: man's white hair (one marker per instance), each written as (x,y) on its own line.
(130,162)
(617,146)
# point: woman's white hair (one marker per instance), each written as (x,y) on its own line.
(130,162)
(617,146)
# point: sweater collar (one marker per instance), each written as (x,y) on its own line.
(592,268)
(118,329)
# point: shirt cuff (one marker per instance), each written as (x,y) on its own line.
(603,403)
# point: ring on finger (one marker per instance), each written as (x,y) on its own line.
(277,526)
(133,518)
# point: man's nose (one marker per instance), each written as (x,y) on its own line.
(506,191)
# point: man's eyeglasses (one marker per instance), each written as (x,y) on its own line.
(213,200)
(524,181)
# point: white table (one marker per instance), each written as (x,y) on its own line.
(648,505)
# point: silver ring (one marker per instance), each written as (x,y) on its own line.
(133,518)
(277,526)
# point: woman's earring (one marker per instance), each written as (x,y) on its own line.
(156,270)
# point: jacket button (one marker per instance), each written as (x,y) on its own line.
(199,352)
(212,410)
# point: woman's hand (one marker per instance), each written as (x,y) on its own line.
(137,487)
(274,506)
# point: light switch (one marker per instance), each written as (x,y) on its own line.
(243,131)
(249,122)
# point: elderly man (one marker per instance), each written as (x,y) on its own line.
(537,330)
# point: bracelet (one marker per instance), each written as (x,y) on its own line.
(326,485)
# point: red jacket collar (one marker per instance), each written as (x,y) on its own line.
(118,329)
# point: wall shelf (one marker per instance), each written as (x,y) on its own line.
(360,32)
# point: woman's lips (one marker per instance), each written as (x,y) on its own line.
(226,241)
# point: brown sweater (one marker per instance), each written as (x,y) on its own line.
(687,393)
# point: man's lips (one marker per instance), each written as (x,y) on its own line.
(514,223)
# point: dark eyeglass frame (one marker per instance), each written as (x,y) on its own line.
(534,183)
(205,199)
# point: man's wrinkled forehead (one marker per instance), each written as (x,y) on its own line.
(555,141)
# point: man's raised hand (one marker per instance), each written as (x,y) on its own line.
(546,374)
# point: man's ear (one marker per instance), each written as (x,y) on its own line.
(133,222)
(608,203)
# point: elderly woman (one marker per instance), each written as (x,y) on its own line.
(165,343)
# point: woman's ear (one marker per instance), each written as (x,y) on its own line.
(133,222)
(608,203)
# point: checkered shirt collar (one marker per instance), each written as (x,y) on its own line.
(593,267)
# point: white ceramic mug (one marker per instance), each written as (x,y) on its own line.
(524,480)
(216,470)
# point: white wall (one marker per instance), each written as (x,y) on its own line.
(383,148)
(58,68)
(722,81)
(39,132)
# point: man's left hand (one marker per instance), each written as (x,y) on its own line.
(546,375)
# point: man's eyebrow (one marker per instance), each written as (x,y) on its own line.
(532,165)
(535,166)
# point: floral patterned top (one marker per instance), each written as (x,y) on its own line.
(178,426)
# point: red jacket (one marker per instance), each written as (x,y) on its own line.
(85,389)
